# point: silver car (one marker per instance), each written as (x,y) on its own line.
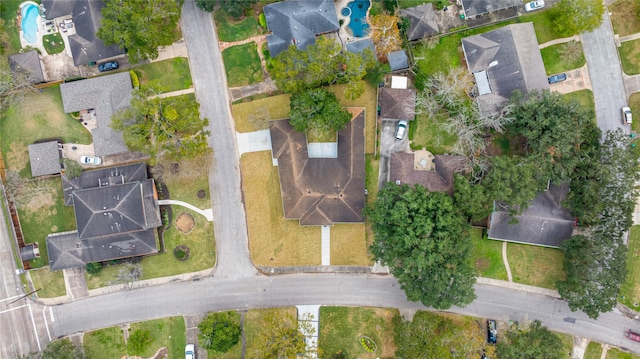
(401,129)
(534,5)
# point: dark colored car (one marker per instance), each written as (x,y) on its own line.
(557,78)
(492,331)
(108,66)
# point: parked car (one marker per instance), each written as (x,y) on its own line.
(626,115)
(190,351)
(401,129)
(90,160)
(554,79)
(534,5)
(108,66)
(632,335)
(492,331)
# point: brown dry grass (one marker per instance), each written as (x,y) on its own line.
(273,241)
(368,101)
(625,17)
(533,265)
(348,245)
(255,115)
(183,185)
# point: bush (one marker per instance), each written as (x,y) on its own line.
(139,341)
(71,168)
(134,79)
(262,19)
(93,268)
(220,331)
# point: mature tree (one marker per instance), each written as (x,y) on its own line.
(317,110)
(423,238)
(471,198)
(236,8)
(584,196)
(139,341)
(15,87)
(61,349)
(157,126)
(72,169)
(206,5)
(533,342)
(385,34)
(140,27)
(220,331)
(573,17)
(281,337)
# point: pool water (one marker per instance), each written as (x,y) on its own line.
(358,23)
(30,13)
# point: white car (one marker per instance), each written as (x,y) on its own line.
(90,160)
(190,351)
(401,129)
(626,115)
(534,5)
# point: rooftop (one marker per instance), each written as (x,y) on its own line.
(397,104)
(435,173)
(28,61)
(398,60)
(423,21)
(44,158)
(474,8)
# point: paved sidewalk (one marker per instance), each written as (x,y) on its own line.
(326,245)
(631,37)
(253,141)
(174,93)
(208,213)
(177,49)
(631,83)
(559,41)
(505,260)
(238,93)
(518,286)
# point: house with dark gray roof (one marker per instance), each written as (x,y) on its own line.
(321,191)
(397,104)
(473,8)
(44,158)
(106,95)
(398,60)
(298,22)
(361,46)
(502,61)
(423,21)
(435,173)
(30,62)
(86,15)
(544,223)
(116,212)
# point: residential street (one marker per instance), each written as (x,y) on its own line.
(606,75)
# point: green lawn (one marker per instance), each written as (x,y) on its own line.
(48,284)
(630,57)
(430,134)
(184,185)
(234,353)
(567,343)
(242,65)
(534,265)
(342,327)
(166,332)
(8,11)
(630,289)
(486,255)
(634,103)
(615,353)
(594,351)
(53,43)
(584,98)
(230,30)
(624,17)
(167,75)
(105,343)
(555,62)
(543,23)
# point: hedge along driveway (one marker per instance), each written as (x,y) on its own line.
(242,65)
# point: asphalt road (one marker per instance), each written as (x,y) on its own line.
(606,75)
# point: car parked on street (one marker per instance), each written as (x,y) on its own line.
(190,351)
(534,5)
(554,79)
(108,66)
(90,160)
(626,116)
(492,331)
(401,130)
(632,335)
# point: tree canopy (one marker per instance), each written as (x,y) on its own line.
(170,126)
(532,342)
(140,27)
(423,238)
(573,17)
(280,337)
(317,110)
(15,86)
(385,34)
(220,331)
(61,349)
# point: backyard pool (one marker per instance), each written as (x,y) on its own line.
(30,13)
(358,15)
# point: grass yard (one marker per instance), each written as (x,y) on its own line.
(43,213)
(105,343)
(594,351)
(8,12)
(49,284)
(53,43)
(230,30)
(630,289)
(168,75)
(555,62)
(615,353)
(634,103)
(254,324)
(200,241)
(273,240)
(349,245)
(255,115)
(342,327)
(39,117)
(534,265)
(429,134)
(184,185)
(368,100)
(567,343)
(624,17)
(585,99)
(166,332)
(543,23)
(242,65)
(486,255)
(234,353)
(630,57)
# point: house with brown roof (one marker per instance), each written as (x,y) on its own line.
(435,173)
(397,104)
(321,191)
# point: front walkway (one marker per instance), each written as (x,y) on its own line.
(309,319)
(253,141)
(207,213)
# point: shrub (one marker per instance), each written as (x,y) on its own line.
(134,79)
(139,341)
(93,268)
(220,331)
(368,344)
(71,168)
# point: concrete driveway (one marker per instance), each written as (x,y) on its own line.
(388,145)
(577,79)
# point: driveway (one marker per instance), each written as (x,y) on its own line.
(388,145)
(577,79)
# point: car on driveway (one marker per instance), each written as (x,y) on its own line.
(557,78)
(90,160)
(108,66)
(401,130)
(190,351)
(534,5)
(632,335)
(626,115)
(492,331)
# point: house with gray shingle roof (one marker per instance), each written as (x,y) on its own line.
(298,22)
(28,61)
(423,21)
(398,60)
(106,95)
(473,8)
(44,158)
(117,213)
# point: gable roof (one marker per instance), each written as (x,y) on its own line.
(423,21)
(361,46)
(298,22)
(543,223)
(403,168)
(106,94)
(511,59)
(44,158)
(398,104)
(474,8)
(321,191)
(398,60)
(28,61)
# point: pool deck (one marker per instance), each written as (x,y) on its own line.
(343,33)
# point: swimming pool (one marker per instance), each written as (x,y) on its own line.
(30,13)
(358,23)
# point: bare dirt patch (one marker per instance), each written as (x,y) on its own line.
(18,157)
(185,222)
(43,200)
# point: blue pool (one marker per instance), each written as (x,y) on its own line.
(358,23)
(30,13)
